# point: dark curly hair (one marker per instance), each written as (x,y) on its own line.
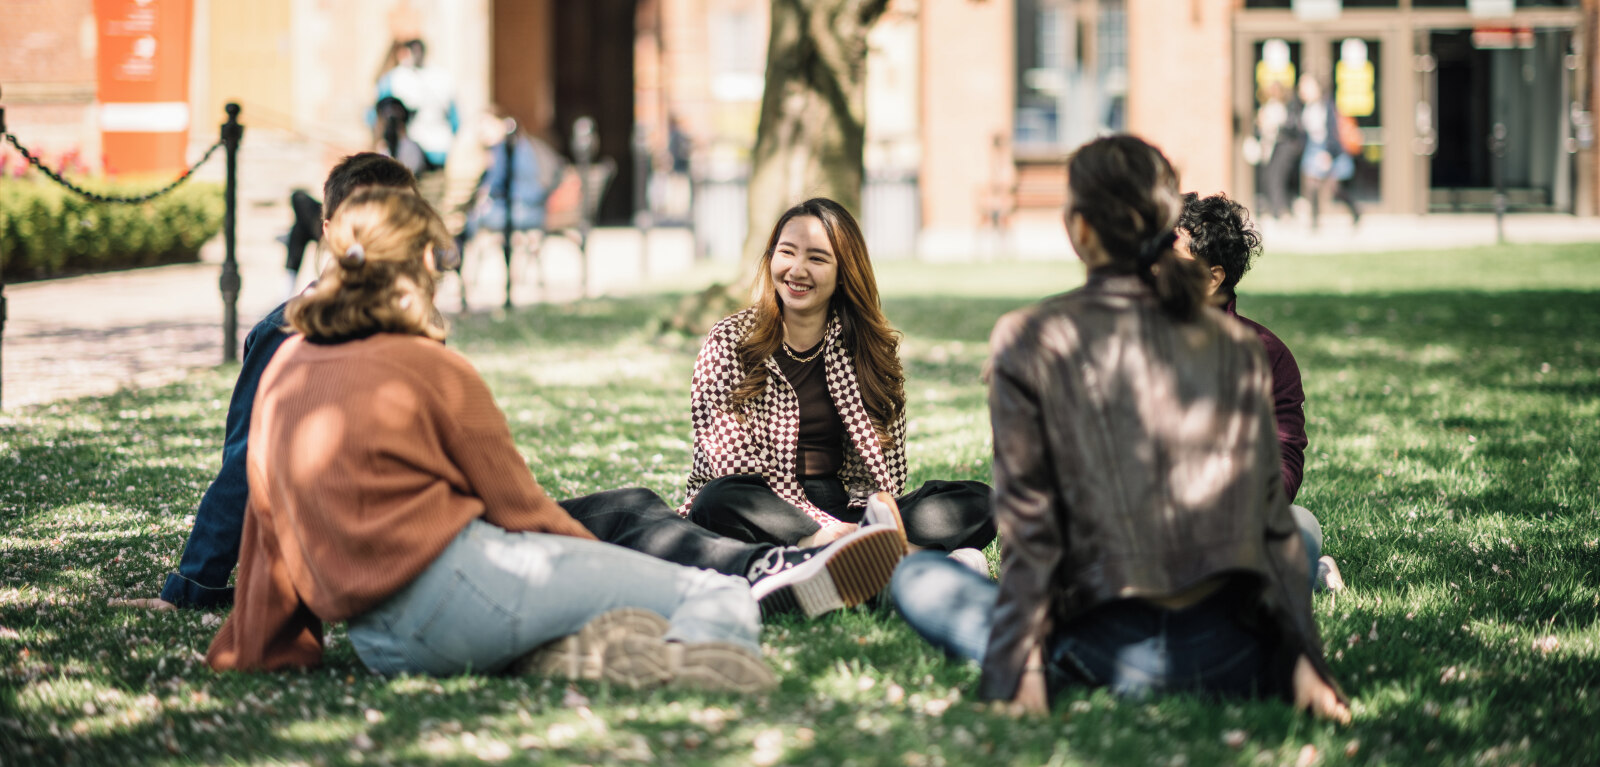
(1221,234)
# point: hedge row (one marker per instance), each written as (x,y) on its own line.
(46,231)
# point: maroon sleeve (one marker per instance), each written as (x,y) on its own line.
(1288,408)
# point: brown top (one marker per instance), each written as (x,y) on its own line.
(1136,457)
(820,449)
(366,458)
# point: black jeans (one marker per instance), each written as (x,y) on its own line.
(636,518)
(939,515)
(307,227)
(1136,649)
(1130,646)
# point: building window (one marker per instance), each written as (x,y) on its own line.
(1072,72)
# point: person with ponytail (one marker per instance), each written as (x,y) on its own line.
(1147,542)
(799,408)
(385,490)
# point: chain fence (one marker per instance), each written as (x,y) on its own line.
(94,196)
(231,134)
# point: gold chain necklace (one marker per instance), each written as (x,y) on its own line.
(798,358)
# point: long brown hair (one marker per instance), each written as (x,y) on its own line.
(378,280)
(1128,193)
(866,334)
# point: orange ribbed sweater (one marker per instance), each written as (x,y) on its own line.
(366,458)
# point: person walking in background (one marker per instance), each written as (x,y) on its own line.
(799,408)
(1148,543)
(1325,164)
(427,94)
(386,491)
(1281,143)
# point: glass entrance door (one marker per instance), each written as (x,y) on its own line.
(1500,91)
(1358,95)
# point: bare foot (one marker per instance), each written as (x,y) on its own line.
(1314,694)
(159,605)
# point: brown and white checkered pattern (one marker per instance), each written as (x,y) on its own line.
(765,441)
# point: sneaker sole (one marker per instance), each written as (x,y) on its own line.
(582,655)
(899,521)
(854,573)
(639,662)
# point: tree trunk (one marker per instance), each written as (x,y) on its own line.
(810,136)
(813,113)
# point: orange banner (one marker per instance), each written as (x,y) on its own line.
(143,75)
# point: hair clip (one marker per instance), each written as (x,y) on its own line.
(1152,248)
(354,257)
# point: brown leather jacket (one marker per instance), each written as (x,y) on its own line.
(1135,457)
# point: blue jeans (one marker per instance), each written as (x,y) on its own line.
(492,596)
(1130,646)
(213,548)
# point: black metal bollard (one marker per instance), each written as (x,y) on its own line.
(2,285)
(1497,151)
(584,146)
(232,131)
(643,216)
(509,158)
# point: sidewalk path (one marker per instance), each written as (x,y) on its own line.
(92,335)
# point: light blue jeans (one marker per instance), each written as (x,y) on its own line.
(492,596)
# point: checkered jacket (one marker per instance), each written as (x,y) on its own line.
(765,441)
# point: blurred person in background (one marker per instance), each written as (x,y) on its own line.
(1326,164)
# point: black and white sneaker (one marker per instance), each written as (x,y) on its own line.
(819,580)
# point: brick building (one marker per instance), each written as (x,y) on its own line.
(972,104)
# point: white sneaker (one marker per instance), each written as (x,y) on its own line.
(974,561)
(882,510)
(818,580)
(1328,574)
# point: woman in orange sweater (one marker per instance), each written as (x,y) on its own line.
(386,491)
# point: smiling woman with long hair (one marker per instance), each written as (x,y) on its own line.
(799,405)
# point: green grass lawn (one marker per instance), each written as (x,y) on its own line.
(1454,417)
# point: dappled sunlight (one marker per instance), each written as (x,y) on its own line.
(1453,439)
(317,439)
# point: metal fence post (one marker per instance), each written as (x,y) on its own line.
(643,216)
(509,158)
(584,145)
(2,285)
(1497,149)
(232,131)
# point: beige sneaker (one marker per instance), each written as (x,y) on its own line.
(582,655)
(639,661)
(882,510)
